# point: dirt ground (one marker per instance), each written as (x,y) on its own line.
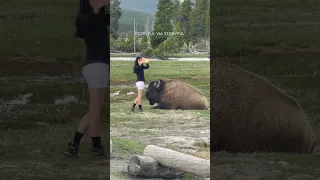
(183,131)
(265,166)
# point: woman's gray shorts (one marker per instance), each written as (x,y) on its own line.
(96,75)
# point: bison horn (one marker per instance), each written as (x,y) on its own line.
(158,85)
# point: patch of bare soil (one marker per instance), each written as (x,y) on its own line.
(247,167)
(118,82)
(183,131)
(20,65)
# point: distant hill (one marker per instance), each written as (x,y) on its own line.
(126,20)
(146,6)
(141,10)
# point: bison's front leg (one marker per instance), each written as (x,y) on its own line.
(155,107)
(160,106)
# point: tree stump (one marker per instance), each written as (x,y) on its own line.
(149,167)
(176,160)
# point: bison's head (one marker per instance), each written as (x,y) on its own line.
(154,91)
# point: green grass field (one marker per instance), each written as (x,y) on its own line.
(265,26)
(131,132)
(40,28)
(35,133)
(278,40)
(35,130)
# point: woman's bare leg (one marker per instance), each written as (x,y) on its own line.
(139,101)
(139,98)
(97,96)
(90,121)
(135,102)
(83,124)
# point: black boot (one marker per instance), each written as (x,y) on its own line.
(132,108)
(98,152)
(73,150)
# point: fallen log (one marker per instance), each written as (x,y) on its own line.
(149,167)
(176,160)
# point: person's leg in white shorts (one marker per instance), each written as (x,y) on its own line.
(138,100)
(140,85)
(96,75)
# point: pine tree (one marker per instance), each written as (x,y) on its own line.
(116,13)
(122,42)
(144,42)
(146,25)
(175,12)
(162,23)
(207,20)
(130,42)
(197,21)
(112,44)
(152,26)
(184,20)
(177,40)
(138,45)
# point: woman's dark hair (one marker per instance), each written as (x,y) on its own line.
(84,7)
(136,63)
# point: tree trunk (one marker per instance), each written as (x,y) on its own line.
(149,167)
(179,161)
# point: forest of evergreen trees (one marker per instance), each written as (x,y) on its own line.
(189,19)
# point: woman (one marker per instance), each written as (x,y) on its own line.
(91,26)
(139,68)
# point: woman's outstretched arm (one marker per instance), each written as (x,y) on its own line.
(146,66)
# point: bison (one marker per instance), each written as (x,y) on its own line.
(175,94)
(249,114)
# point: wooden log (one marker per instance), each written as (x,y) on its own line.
(149,167)
(176,160)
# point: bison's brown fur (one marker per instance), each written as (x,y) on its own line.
(251,114)
(175,94)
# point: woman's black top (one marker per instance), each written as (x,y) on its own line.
(96,35)
(139,70)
